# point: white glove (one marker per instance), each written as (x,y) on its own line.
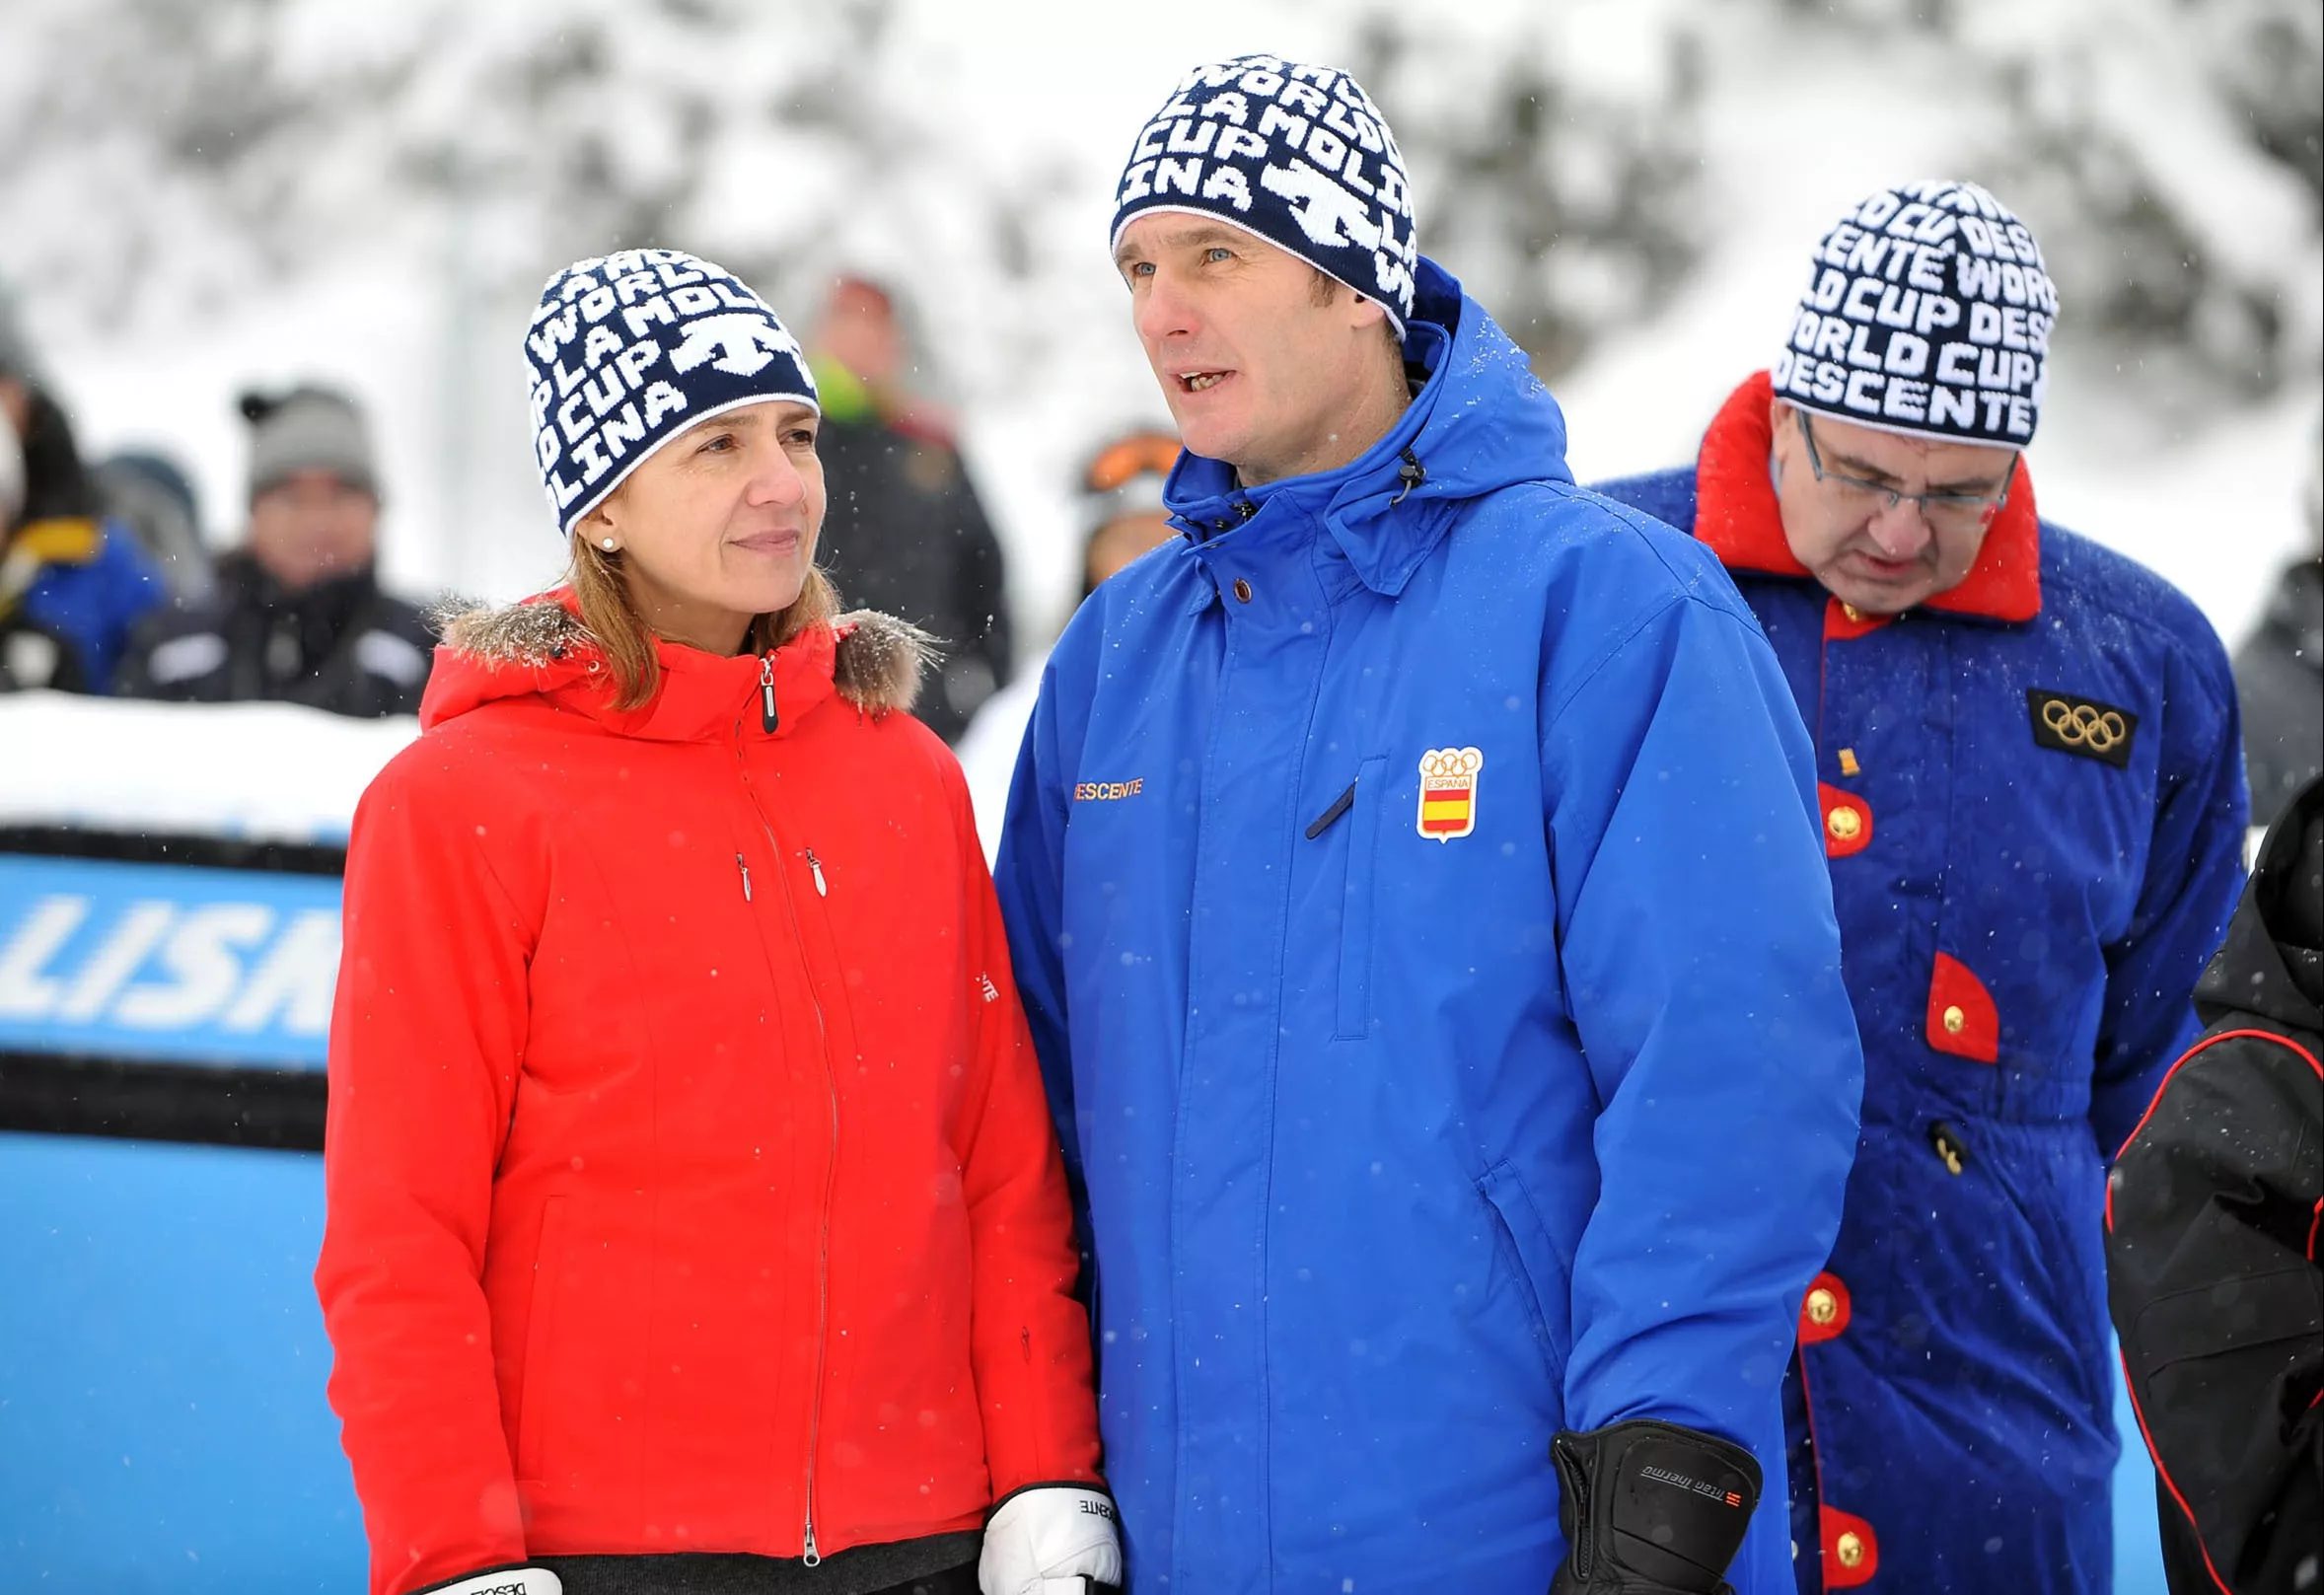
(507,1581)
(1047,1540)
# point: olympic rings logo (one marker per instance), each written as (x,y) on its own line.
(2079,725)
(1442,762)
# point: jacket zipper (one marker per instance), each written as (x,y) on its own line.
(767,715)
(813,1558)
(815,868)
(823,1234)
(745,869)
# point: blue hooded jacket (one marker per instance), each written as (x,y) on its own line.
(2033,796)
(1413,1130)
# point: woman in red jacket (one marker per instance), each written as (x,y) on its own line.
(695,1218)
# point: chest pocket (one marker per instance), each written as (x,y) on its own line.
(1353,1014)
(2046,850)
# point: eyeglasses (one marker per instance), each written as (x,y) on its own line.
(1944,512)
(1127,458)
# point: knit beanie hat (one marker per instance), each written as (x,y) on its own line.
(1299,155)
(308,429)
(1927,313)
(627,350)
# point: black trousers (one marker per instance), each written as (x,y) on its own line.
(861,1570)
(951,1582)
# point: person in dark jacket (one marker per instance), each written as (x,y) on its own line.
(908,535)
(2212,1221)
(2279,673)
(72,583)
(2033,809)
(1411,874)
(297,614)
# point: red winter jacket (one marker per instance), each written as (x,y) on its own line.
(692,1187)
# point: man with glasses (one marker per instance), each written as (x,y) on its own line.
(2032,796)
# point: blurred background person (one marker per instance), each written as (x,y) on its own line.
(150,494)
(1122,502)
(71,584)
(1119,495)
(297,614)
(908,534)
(2280,670)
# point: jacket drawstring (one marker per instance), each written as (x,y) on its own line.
(1411,473)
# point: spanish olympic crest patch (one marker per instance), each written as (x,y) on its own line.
(1448,792)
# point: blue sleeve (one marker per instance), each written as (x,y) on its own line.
(1701,961)
(2194,875)
(117,590)
(1028,876)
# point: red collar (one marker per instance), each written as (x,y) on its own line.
(1737,515)
(701,696)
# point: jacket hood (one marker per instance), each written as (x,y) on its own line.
(2266,966)
(542,647)
(1482,421)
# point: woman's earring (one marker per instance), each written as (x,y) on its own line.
(608,544)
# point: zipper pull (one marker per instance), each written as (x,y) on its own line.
(745,869)
(766,716)
(813,1557)
(815,868)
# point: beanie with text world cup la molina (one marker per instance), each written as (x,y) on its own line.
(627,350)
(1299,155)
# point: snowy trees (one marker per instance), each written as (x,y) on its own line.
(1558,183)
(1586,167)
(176,151)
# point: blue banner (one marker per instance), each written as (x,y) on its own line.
(167,961)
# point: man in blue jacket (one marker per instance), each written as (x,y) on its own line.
(2033,808)
(1413,880)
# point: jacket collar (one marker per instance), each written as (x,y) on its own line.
(541,646)
(1738,516)
(1479,421)
(327,604)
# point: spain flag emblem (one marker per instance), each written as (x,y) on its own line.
(1448,791)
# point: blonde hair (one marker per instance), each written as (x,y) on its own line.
(613,618)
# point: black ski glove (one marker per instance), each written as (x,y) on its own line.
(1650,1509)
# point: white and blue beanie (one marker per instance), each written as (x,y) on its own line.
(1299,155)
(629,350)
(1927,313)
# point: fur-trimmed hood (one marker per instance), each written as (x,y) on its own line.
(873,662)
